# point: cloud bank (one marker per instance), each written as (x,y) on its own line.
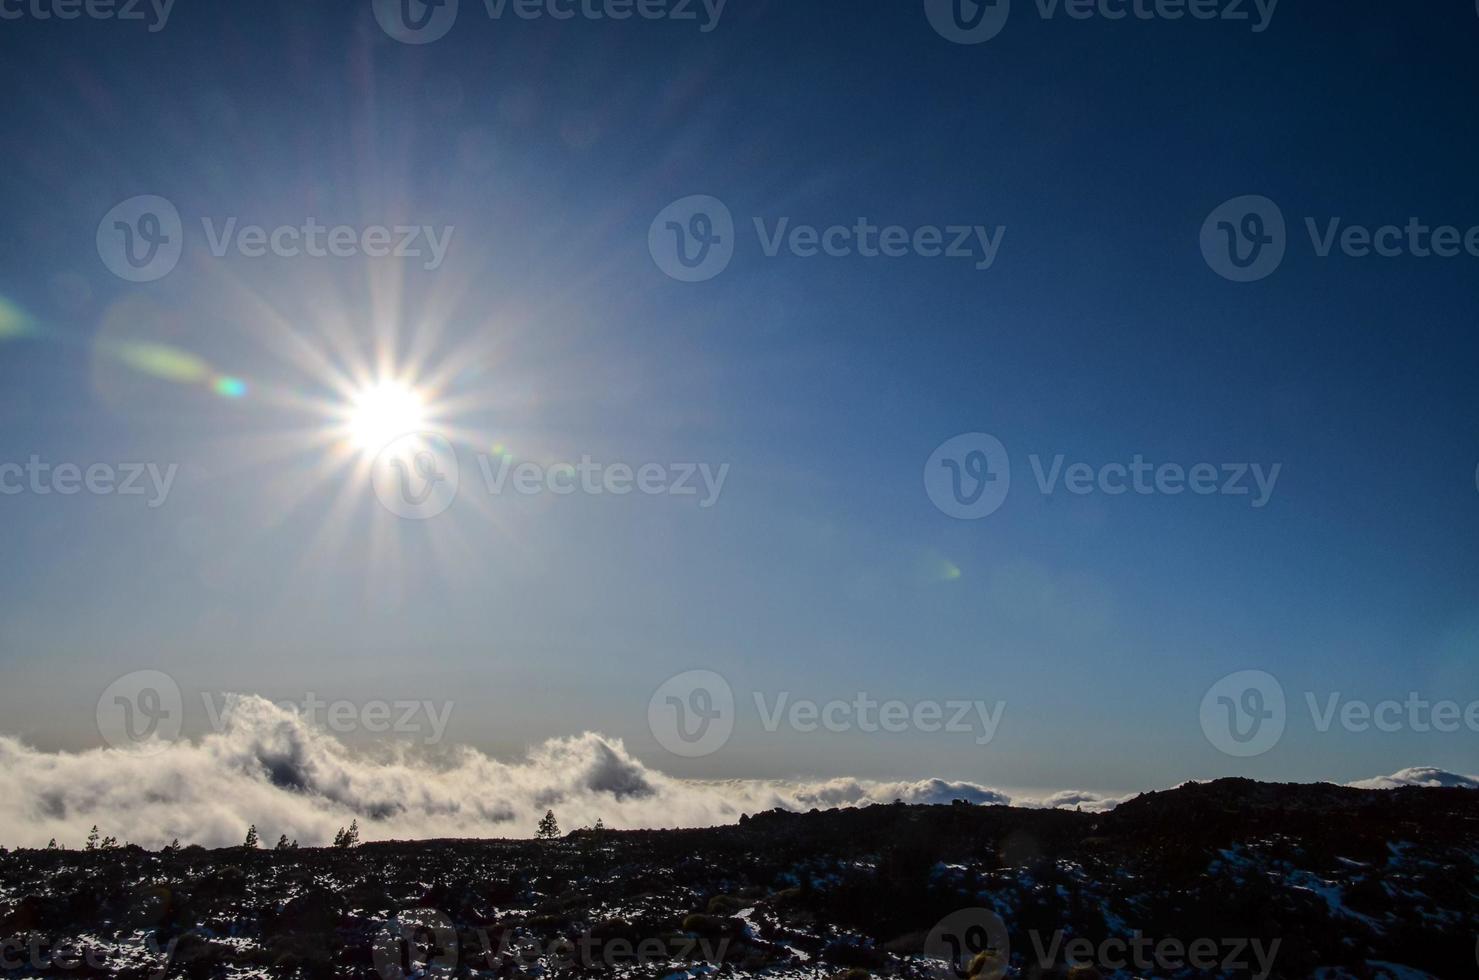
(1419,776)
(266,765)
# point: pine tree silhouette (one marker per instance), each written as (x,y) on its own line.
(252,842)
(549,828)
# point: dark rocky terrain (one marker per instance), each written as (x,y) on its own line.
(1325,881)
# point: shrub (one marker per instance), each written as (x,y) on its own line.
(704,925)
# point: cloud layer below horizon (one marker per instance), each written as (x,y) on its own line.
(1420,776)
(267,766)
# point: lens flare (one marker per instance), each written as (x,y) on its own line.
(13,322)
(162,361)
(228,387)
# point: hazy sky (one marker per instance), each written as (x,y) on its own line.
(1094,149)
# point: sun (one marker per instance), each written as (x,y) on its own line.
(383,412)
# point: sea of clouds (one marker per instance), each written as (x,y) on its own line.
(267,766)
(1420,776)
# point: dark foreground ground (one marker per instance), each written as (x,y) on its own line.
(1232,878)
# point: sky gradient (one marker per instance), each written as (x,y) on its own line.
(824,384)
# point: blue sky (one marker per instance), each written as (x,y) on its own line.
(824,383)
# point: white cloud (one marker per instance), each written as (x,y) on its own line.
(267,766)
(1088,802)
(1419,776)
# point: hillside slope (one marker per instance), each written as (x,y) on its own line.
(1230,878)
